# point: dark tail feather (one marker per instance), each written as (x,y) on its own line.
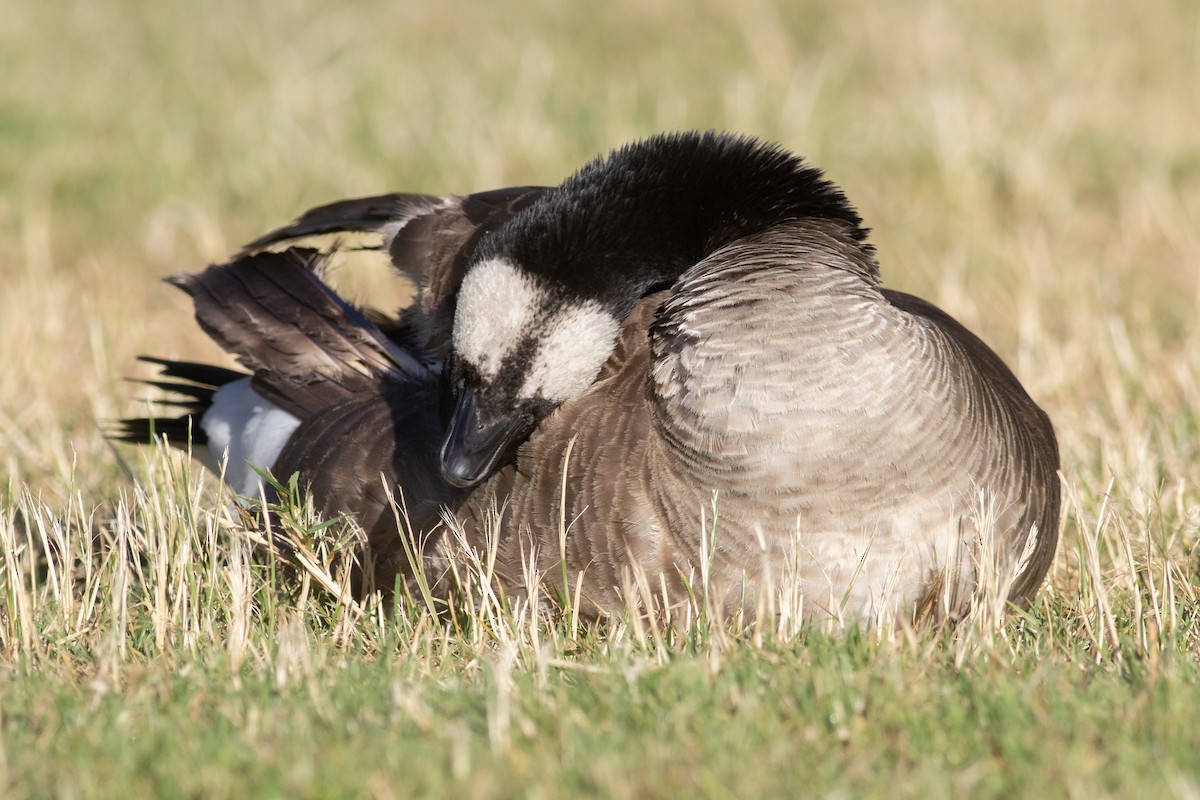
(194,372)
(360,215)
(194,385)
(180,432)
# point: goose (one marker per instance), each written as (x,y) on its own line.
(685,352)
(858,437)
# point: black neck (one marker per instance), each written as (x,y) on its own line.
(626,225)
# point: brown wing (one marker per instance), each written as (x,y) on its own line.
(358,215)
(368,409)
(347,454)
(308,348)
(1031,435)
(430,239)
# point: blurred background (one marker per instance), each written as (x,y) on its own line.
(1032,167)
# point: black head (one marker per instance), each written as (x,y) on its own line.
(545,293)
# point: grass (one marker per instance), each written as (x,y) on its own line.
(1032,168)
(177,661)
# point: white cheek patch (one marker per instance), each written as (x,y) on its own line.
(572,348)
(497,305)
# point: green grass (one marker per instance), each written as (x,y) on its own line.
(186,663)
(1032,168)
(819,715)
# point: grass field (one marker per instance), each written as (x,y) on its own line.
(1033,168)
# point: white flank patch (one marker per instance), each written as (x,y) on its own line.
(496,307)
(243,429)
(573,347)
